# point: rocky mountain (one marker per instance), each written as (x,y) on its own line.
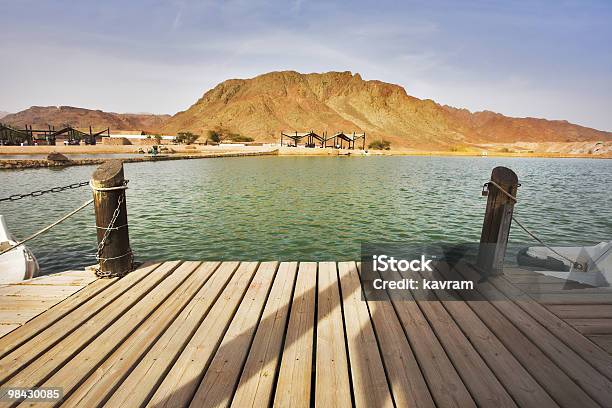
(3,114)
(261,107)
(495,127)
(58,116)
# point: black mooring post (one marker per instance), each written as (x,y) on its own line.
(497,221)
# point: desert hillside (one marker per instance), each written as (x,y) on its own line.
(263,106)
(58,116)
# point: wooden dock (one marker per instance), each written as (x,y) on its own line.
(254,334)
(21,301)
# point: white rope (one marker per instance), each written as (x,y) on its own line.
(47,228)
(122,187)
(573,262)
(510,196)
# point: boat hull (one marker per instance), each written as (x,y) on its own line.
(17,264)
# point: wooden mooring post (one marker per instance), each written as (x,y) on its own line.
(497,220)
(114,254)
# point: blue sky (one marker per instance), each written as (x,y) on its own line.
(521,58)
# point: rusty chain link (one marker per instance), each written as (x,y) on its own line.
(38,193)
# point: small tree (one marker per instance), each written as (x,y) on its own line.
(186,137)
(380,145)
(215,136)
(239,138)
(157,138)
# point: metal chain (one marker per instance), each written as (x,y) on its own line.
(107,232)
(38,193)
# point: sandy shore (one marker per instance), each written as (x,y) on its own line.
(300,151)
(7,164)
(95,154)
(122,149)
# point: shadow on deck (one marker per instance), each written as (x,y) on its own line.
(298,334)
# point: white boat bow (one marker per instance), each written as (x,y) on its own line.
(596,263)
(17,264)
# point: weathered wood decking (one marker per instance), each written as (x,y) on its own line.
(21,301)
(298,334)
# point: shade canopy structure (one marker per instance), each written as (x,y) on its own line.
(310,137)
(31,135)
(338,139)
(350,138)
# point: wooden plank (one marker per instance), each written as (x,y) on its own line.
(13,303)
(590,380)
(87,271)
(556,287)
(181,382)
(513,271)
(591,326)
(370,385)
(294,379)
(18,316)
(533,279)
(581,311)
(28,374)
(332,386)
(39,291)
(144,379)
(482,384)
(107,377)
(258,376)
(7,328)
(32,297)
(41,322)
(602,340)
(80,366)
(559,385)
(408,385)
(585,293)
(61,279)
(445,384)
(85,310)
(573,298)
(219,382)
(574,340)
(523,388)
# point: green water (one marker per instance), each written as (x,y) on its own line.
(286,208)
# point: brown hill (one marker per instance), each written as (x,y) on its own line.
(3,114)
(263,106)
(58,116)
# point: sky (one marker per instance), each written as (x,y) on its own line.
(549,59)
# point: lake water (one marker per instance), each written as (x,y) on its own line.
(308,208)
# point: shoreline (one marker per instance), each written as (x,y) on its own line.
(15,164)
(192,152)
